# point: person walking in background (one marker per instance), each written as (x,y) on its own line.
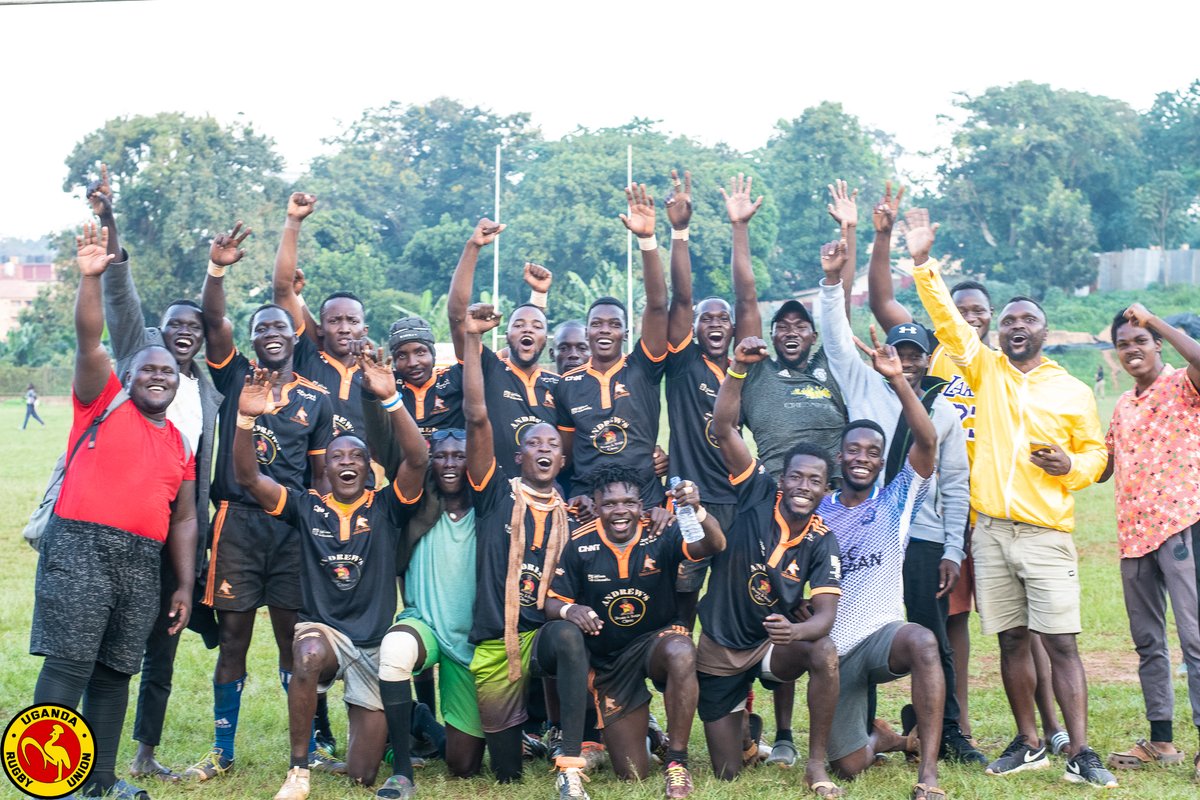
(1099,387)
(31,399)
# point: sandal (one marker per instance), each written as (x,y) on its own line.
(826,789)
(1144,753)
(923,791)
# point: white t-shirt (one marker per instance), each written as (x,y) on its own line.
(185,412)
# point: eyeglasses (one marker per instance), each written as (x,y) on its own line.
(443,433)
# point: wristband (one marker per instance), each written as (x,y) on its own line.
(648,243)
(291,224)
(731,374)
(215,270)
(701,514)
(680,233)
(538,299)
(562,612)
(392,403)
(245,421)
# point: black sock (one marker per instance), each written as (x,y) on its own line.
(301,762)
(397,708)
(425,688)
(676,755)
(783,735)
(322,717)
(1162,730)
(506,754)
(104,705)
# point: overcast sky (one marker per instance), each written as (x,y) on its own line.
(715,71)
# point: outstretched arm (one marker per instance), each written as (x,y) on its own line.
(679,213)
(881,295)
(1185,345)
(484,234)
(856,378)
(218,331)
(923,454)
(728,408)
(379,381)
(481,451)
(844,211)
(256,399)
(300,205)
(741,209)
(91,361)
(122,306)
(100,195)
(640,221)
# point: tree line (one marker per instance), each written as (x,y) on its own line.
(1034,181)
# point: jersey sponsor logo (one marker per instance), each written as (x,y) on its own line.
(857,559)
(594,578)
(589,548)
(266,447)
(321,533)
(835,567)
(792,572)
(344,570)
(957,387)
(49,750)
(513,396)
(759,586)
(811,392)
(707,390)
(528,586)
(580,409)
(610,437)
(649,567)
(306,395)
(342,424)
(626,607)
(301,416)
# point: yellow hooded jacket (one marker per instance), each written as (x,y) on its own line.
(1013,409)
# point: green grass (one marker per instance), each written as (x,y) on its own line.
(1116,705)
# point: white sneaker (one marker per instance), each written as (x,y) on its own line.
(296,786)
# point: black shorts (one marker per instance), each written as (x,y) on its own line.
(96,594)
(255,561)
(721,695)
(620,682)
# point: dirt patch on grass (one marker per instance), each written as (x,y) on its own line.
(1106,665)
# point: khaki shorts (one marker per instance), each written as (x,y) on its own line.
(358,667)
(1025,576)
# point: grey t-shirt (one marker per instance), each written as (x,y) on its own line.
(783,407)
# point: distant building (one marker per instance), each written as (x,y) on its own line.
(20,281)
(1137,269)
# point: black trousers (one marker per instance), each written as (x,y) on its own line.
(158,667)
(921,563)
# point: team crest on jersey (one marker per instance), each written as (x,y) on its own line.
(438,404)
(649,567)
(548,401)
(49,750)
(619,391)
(609,439)
(708,434)
(820,374)
(342,425)
(361,525)
(792,572)
(344,570)
(265,448)
(759,587)
(301,416)
(528,587)
(626,611)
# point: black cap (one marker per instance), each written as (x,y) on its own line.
(410,329)
(792,306)
(911,332)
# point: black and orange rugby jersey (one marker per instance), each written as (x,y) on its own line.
(437,404)
(343,384)
(348,558)
(612,417)
(761,571)
(632,589)
(692,384)
(300,426)
(516,399)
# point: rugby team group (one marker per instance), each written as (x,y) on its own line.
(514,529)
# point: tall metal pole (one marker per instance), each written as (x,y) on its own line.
(629,258)
(496,256)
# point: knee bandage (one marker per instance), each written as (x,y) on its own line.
(398,656)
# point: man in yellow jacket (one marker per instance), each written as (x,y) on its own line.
(1037,439)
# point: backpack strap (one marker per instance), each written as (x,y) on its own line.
(89,433)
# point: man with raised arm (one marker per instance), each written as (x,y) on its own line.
(350,539)
(972,300)
(522,528)
(608,409)
(751,618)
(1038,439)
(255,558)
(194,413)
(935,548)
(1152,447)
(616,582)
(97,583)
(874,644)
(518,389)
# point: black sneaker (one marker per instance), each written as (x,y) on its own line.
(1019,757)
(1086,767)
(553,743)
(956,747)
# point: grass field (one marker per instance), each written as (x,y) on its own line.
(1116,705)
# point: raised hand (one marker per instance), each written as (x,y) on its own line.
(919,234)
(226,247)
(750,350)
(100,194)
(833,260)
(738,204)
(679,201)
(481,318)
(91,251)
(256,398)
(640,220)
(884,215)
(486,232)
(883,357)
(843,208)
(376,368)
(300,205)
(1139,315)
(686,493)
(537,277)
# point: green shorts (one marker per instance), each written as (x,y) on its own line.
(456,687)
(502,703)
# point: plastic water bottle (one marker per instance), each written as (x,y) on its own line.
(685,515)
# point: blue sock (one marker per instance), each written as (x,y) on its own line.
(227,703)
(285,679)
(312,739)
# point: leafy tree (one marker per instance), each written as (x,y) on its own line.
(1055,243)
(1162,208)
